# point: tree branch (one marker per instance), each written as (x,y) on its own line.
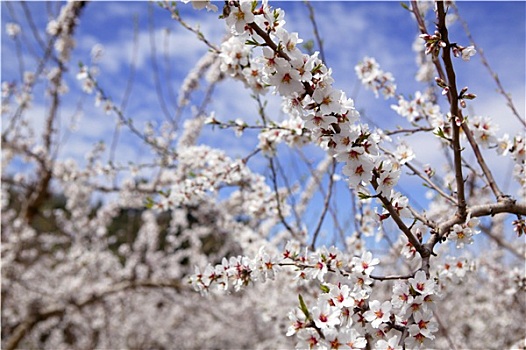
(456,116)
(58,311)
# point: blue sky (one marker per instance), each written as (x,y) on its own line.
(351,30)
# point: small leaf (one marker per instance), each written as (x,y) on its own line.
(303,307)
(309,46)
(252,42)
(440,133)
(363,195)
(149,203)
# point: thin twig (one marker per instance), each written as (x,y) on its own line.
(392,277)
(326,203)
(486,64)
(503,243)
(482,163)
(315,30)
(278,198)
(155,67)
(34,28)
(175,15)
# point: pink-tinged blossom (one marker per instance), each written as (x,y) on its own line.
(289,41)
(401,295)
(286,80)
(390,344)
(417,341)
(345,143)
(325,316)
(309,63)
(423,325)
(209,275)
(240,16)
(254,78)
(483,130)
(421,284)
(233,54)
(389,175)
(266,266)
(429,302)
(298,321)
(408,250)
(468,52)
(319,121)
(400,205)
(350,152)
(361,285)
(308,338)
(12,29)
(328,100)
(353,339)
(358,171)
(404,153)
(375,79)
(345,339)
(341,296)
(406,109)
(319,269)
(504,144)
(201,4)
(347,109)
(272,18)
(291,250)
(241,271)
(378,312)
(336,339)
(417,304)
(365,264)
(461,235)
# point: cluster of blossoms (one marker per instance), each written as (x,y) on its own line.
(62,28)
(455,268)
(465,52)
(191,82)
(87,75)
(343,315)
(305,84)
(426,69)
(375,79)
(79,276)
(434,42)
(291,131)
(485,133)
(203,170)
(421,107)
(22,95)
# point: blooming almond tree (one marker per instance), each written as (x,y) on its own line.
(301,229)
